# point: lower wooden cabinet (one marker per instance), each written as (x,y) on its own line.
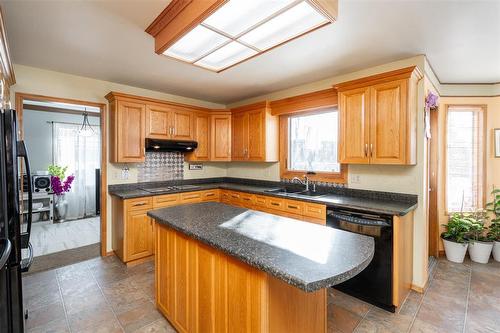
(133,229)
(200,289)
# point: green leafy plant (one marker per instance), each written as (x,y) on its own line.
(457,228)
(477,220)
(57,171)
(493,207)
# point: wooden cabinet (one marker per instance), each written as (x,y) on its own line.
(127,125)
(168,123)
(202,136)
(378,118)
(254,133)
(220,145)
(138,235)
(200,289)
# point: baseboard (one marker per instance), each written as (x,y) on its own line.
(420,289)
(110,253)
(441,253)
(140,261)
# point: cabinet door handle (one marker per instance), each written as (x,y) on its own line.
(139,204)
(366,150)
(371,149)
(173,130)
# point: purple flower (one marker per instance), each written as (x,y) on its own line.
(431,101)
(59,187)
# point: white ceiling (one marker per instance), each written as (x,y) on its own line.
(106,40)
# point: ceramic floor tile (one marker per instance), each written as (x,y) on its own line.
(90,317)
(112,326)
(138,316)
(88,299)
(44,315)
(159,326)
(348,302)
(341,320)
(55,326)
(391,322)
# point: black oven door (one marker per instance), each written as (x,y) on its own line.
(374,283)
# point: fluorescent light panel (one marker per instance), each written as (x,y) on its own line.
(237,16)
(241,29)
(226,56)
(295,21)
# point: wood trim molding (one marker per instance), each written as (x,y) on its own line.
(250,107)
(44,108)
(328,177)
(173,9)
(398,74)
(20,97)
(306,102)
(113,95)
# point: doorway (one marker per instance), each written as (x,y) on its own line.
(66,144)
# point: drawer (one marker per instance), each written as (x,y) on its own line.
(210,195)
(260,201)
(294,207)
(234,197)
(191,197)
(247,200)
(166,200)
(139,203)
(275,203)
(316,211)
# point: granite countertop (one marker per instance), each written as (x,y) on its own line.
(306,255)
(382,205)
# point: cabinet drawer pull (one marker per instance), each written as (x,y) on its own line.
(275,204)
(140,204)
(191,196)
(167,200)
(246,199)
(234,196)
(293,207)
(210,194)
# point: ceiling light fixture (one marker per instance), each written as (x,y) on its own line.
(218,34)
(86,130)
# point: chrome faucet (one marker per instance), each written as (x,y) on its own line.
(303,182)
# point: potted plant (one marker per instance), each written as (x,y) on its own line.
(494,230)
(455,244)
(480,246)
(60,185)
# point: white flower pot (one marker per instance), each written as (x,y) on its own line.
(455,251)
(480,251)
(496,251)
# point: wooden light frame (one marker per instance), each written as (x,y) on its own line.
(21,97)
(182,16)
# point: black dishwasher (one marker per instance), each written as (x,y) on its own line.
(374,283)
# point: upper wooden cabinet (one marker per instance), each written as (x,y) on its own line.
(168,123)
(202,136)
(254,133)
(127,129)
(220,128)
(378,118)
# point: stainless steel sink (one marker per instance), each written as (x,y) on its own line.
(287,192)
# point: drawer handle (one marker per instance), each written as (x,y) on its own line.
(140,204)
(275,204)
(293,207)
(191,197)
(234,196)
(246,199)
(210,194)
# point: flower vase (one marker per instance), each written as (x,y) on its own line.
(60,208)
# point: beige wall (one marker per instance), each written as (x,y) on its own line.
(55,84)
(492,164)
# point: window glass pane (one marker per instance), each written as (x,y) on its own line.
(195,44)
(464,161)
(226,56)
(293,22)
(236,16)
(313,142)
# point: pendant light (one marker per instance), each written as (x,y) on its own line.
(86,130)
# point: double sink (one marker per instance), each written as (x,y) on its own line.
(295,193)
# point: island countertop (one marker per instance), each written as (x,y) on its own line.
(305,255)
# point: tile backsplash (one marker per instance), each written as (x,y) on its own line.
(161,166)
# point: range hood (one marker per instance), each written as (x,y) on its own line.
(170,145)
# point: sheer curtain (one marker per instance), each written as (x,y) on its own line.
(82,156)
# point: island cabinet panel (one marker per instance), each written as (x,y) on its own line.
(201,289)
(378,119)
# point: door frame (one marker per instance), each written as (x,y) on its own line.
(20,97)
(433,184)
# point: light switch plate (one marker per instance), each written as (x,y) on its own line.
(195,166)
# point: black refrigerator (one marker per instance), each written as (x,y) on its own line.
(15,226)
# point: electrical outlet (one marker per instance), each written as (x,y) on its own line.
(354,179)
(195,166)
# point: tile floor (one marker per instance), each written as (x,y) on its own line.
(48,237)
(102,295)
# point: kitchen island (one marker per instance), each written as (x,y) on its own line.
(221,268)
